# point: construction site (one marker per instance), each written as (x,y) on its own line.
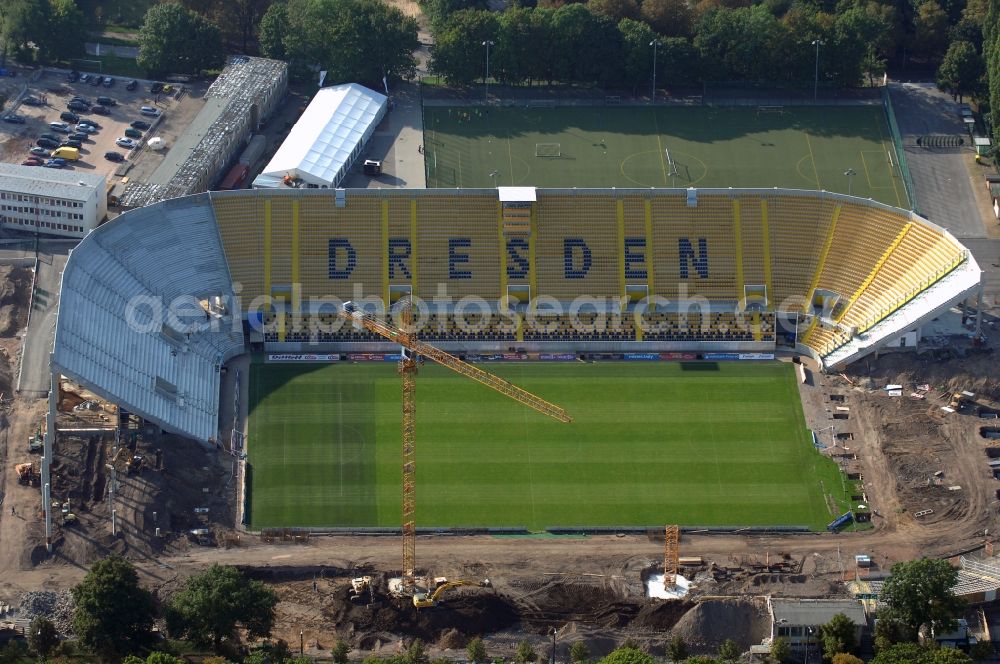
(915,430)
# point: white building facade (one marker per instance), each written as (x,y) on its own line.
(64,203)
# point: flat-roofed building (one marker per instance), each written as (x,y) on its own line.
(66,203)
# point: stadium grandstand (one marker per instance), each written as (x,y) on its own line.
(155,302)
(239,101)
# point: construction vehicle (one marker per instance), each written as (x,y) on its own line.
(28,474)
(125,460)
(411,352)
(422,600)
(362,589)
(959,399)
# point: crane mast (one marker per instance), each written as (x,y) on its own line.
(411,349)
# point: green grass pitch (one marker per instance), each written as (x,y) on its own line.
(650,444)
(616,146)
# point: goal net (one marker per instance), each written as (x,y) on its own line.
(548,149)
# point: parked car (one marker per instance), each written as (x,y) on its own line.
(81,99)
(79,136)
(31,100)
(114,156)
(74,76)
(100,110)
(139,124)
(61,127)
(107,101)
(69,117)
(95,81)
(54,163)
(84,78)
(77,105)
(71,143)
(13,119)
(109,81)
(150,111)
(126,143)
(156,87)
(168,89)
(31,162)
(47,143)
(39,152)
(132,85)
(133,133)
(86,128)
(51,137)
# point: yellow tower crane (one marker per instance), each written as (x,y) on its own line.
(412,349)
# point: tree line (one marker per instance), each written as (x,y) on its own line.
(608,42)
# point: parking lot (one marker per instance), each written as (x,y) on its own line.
(54,92)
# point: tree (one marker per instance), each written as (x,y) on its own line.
(627,655)
(64,20)
(273,28)
(671,18)
(729,651)
(930,29)
(781,650)
(981,650)
(212,604)
(114,614)
(846,658)
(476,651)
(837,636)
(616,10)
(579,653)
(340,651)
(43,637)
(911,653)
(175,39)
(458,53)
(525,653)
(677,648)
(961,70)
(163,658)
(352,40)
(416,653)
(919,593)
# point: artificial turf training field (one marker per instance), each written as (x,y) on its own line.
(619,146)
(651,443)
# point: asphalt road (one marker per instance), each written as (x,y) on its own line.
(33,378)
(943,191)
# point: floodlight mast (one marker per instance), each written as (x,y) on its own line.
(410,350)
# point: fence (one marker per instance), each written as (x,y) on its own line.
(897,143)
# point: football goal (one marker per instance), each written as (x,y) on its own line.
(548,149)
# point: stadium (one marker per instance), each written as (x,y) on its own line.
(164,306)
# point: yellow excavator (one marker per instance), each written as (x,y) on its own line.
(423,600)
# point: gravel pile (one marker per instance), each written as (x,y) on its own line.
(57,607)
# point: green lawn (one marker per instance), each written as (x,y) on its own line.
(650,444)
(615,146)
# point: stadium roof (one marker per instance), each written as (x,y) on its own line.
(328,136)
(69,185)
(183,149)
(130,325)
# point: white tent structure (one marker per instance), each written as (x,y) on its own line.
(327,139)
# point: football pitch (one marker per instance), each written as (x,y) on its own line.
(651,443)
(704,146)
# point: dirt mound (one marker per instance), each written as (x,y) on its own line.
(709,623)
(662,616)
(459,617)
